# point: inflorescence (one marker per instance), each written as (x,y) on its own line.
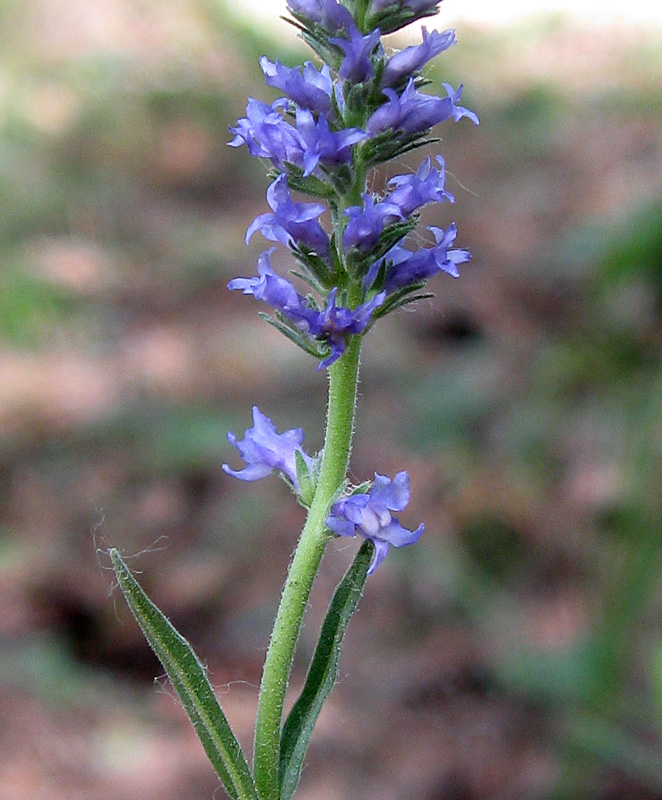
(360,109)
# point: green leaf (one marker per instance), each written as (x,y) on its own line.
(322,672)
(191,684)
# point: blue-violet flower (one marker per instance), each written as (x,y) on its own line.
(413,112)
(270,287)
(334,323)
(411,59)
(266,134)
(370,516)
(291,223)
(366,223)
(308,87)
(264,450)
(405,268)
(322,144)
(357,66)
(426,186)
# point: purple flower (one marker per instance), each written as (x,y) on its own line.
(267,135)
(411,59)
(357,66)
(426,186)
(308,88)
(330,14)
(366,224)
(413,112)
(334,323)
(370,516)
(406,268)
(291,222)
(269,287)
(264,450)
(321,144)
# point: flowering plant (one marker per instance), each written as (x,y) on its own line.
(362,108)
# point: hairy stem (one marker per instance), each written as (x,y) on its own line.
(343,381)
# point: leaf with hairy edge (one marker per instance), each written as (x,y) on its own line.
(322,672)
(191,684)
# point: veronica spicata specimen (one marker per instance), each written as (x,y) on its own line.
(358,106)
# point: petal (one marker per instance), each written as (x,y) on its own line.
(340,526)
(245,284)
(398,536)
(381,551)
(393,494)
(253,472)
(371,522)
(258,223)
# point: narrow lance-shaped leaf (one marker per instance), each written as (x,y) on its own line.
(191,684)
(322,672)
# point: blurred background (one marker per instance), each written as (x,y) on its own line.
(516,652)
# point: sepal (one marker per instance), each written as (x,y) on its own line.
(362,488)
(316,38)
(404,297)
(290,331)
(306,478)
(360,263)
(357,97)
(358,9)
(388,145)
(309,184)
(394,18)
(306,277)
(316,267)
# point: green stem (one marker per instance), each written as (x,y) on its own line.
(343,381)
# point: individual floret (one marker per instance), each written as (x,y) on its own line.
(357,66)
(414,191)
(331,148)
(370,516)
(329,14)
(305,144)
(366,223)
(307,87)
(405,268)
(267,135)
(269,287)
(410,60)
(331,326)
(266,451)
(334,324)
(291,223)
(413,112)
